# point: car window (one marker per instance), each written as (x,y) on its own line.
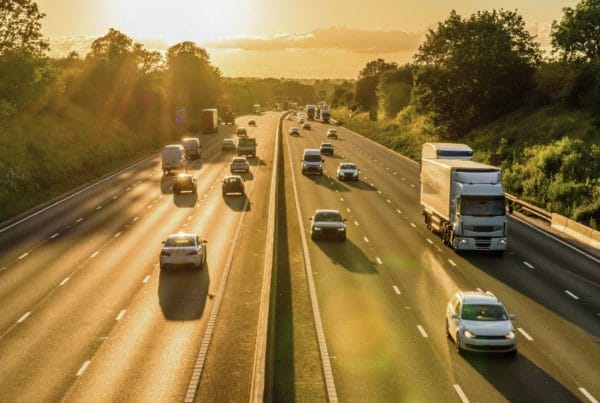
(329,217)
(348,166)
(484,312)
(180,242)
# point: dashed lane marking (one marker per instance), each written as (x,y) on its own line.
(429,241)
(24,255)
(378,260)
(341,199)
(348,210)
(461,394)
(570,294)
(366,239)
(398,211)
(135,219)
(396,290)
(452,262)
(99,207)
(388,200)
(83,368)
(80,219)
(528,265)
(22,318)
(525,334)
(54,236)
(145,280)
(121,314)
(115,197)
(422,331)
(94,254)
(412,224)
(118,234)
(588,395)
(64,281)
(356,223)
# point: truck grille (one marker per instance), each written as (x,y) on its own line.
(484,243)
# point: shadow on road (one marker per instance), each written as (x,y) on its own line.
(348,255)
(182,292)
(166,183)
(185,199)
(237,202)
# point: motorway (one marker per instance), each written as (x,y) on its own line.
(88,316)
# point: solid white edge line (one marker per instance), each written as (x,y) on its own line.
(64,281)
(525,334)
(396,289)
(25,316)
(460,392)
(83,367)
(570,294)
(121,314)
(325,359)
(528,265)
(588,395)
(422,331)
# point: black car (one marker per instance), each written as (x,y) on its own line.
(184,183)
(326,148)
(233,184)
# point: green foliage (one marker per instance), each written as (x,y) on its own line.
(394,89)
(365,93)
(577,36)
(474,70)
(20,27)
(342,95)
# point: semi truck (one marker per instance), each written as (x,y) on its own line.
(463,201)
(246,146)
(256,109)
(325,114)
(311,111)
(227,115)
(209,122)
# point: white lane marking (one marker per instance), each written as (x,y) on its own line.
(366,239)
(115,197)
(99,207)
(378,260)
(422,331)
(404,179)
(80,219)
(145,280)
(395,173)
(189,218)
(118,234)
(366,178)
(398,211)
(438,248)
(396,290)
(525,334)
(83,368)
(121,314)
(128,189)
(372,184)
(54,236)
(479,289)
(412,186)
(388,200)
(341,199)
(452,262)
(379,191)
(94,254)
(22,318)
(149,206)
(6,268)
(356,223)
(348,210)
(413,225)
(461,394)
(570,294)
(64,281)
(24,255)
(528,265)
(135,219)
(429,241)
(588,395)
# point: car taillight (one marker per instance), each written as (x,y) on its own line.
(192,253)
(165,253)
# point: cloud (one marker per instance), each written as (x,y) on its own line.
(355,40)
(62,46)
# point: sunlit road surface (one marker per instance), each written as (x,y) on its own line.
(88,316)
(383,292)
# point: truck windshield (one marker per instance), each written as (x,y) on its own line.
(482,206)
(312,158)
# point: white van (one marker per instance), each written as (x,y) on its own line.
(312,161)
(192,147)
(173,158)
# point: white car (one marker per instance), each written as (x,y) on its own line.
(328,224)
(332,134)
(347,171)
(239,164)
(477,321)
(228,144)
(183,249)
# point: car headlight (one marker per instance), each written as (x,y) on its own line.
(341,229)
(510,335)
(468,334)
(502,242)
(464,241)
(316,228)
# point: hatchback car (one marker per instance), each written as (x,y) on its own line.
(184,183)
(332,134)
(300,120)
(326,148)
(239,164)
(233,184)
(252,122)
(306,126)
(477,321)
(228,144)
(241,131)
(183,249)
(294,131)
(347,171)
(328,224)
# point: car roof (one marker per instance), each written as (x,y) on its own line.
(347,163)
(332,211)
(238,158)
(182,235)
(227,140)
(478,297)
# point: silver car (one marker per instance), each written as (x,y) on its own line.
(183,249)
(477,321)
(347,171)
(328,224)
(239,164)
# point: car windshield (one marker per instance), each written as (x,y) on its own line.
(347,166)
(312,158)
(326,145)
(484,312)
(180,242)
(482,206)
(239,161)
(328,216)
(241,131)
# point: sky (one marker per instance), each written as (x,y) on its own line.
(278,38)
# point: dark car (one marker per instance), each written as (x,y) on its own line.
(184,183)
(233,184)
(326,148)
(294,131)
(252,122)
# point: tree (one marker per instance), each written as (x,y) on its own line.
(20,27)
(474,70)
(577,36)
(368,79)
(394,89)
(111,46)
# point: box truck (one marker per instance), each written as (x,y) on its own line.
(209,122)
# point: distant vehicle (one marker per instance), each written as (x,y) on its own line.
(185,183)
(454,151)
(326,148)
(306,126)
(300,119)
(241,131)
(228,144)
(192,146)
(294,106)
(209,122)
(256,109)
(239,164)
(173,158)
(183,250)
(233,184)
(332,134)
(252,122)
(276,107)
(289,117)
(477,321)
(311,111)
(227,115)
(312,162)
(246,146)
(325,114)
(294,131)
(463,201)
(347,171)
(327,224)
